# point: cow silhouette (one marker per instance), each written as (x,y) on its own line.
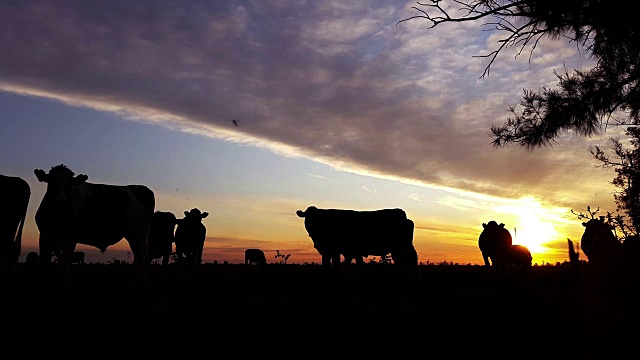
(32,258)
(78,257)
(606,284)
(599,243)
(14,200)
(358,234)
(519,256)
(495,243)
(161,235)
(190,237)
(254,256)
(74,211)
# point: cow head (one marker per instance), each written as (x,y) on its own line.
(195,215)
(492,224)
(59,181)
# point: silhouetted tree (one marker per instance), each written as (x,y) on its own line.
(626,161)
(583,100)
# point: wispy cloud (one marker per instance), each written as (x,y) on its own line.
(337,82)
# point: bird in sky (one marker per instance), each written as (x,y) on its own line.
(235,122)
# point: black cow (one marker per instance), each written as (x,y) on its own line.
(599,243)
(14,200)
(74,211)
(78,257)
(519,256)
(161,235)
(254,256)
(495,243)
(190,236)
(32,258)
(357,234)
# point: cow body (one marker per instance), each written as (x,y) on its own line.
(161,235)
(599,243)
(495,243)
(74,211)
(254,256)
(190,237)
(357,234)
(14,200)
(520,256)
(78,257)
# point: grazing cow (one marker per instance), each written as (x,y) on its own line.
(78,257)
(161,235)
(254,256)
(74,211)
(495,243)
(357,234)
(519,256)
(190,236)
(14,199)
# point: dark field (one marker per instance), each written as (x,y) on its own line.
(295,311)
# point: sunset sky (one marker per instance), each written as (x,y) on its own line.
(336,106)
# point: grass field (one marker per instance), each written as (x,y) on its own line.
(302,311)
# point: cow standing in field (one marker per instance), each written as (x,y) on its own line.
(357,234)
(161,235)
(519,256)
(14,200)
(254,256)
(190,237)
(607,286)
(495,243)
(74,211)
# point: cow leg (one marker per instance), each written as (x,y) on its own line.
(335,259)
(359,260)
(140,249)
(45,249)
(486,260)
(326,260)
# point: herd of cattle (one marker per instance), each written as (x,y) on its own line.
(74,211)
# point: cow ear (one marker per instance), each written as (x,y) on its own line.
(204,214)
(186,213)
(501,225)
(41,175)
(584,224)
(80,179)
(484,225)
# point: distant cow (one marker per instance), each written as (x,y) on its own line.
(161,235)
(357,234)
(14,199)
(78,257)
(74,211)
(254,256)
(495,243)
(190,236)
(519,256)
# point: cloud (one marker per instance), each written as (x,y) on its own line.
(335,81)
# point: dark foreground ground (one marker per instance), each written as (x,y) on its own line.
(294,311)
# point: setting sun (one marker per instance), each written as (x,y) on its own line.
(534,225)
